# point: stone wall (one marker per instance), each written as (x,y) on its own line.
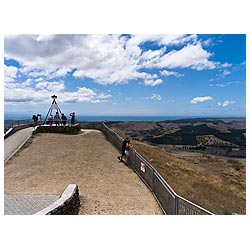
(68,204)
(71,130)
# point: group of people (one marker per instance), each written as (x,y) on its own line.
(126,145)
(63,119)
(56,119)
(37,120)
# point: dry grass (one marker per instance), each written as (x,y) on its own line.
(215,184)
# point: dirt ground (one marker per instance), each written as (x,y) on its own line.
(48,163)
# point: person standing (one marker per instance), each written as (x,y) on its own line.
(126,152)
(123,149)
(50,120)
(57,119)
(64,119)
(73,118)
(35,118)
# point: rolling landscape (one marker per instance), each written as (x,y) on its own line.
(203,160)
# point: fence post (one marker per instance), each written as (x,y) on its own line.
(176,198)
(153,182)
(134,160)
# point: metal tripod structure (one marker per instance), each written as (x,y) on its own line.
(52,107)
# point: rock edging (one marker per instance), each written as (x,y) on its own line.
(67,204)
(71,130)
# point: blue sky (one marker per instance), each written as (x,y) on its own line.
(182,75)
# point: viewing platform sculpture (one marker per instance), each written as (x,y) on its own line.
(50,125)
(54,106)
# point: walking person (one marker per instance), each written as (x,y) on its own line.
(120,158)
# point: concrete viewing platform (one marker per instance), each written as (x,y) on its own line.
(51,161)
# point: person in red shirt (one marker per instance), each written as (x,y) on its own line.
(127,147)
(120,158)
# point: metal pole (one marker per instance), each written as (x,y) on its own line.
(176,201)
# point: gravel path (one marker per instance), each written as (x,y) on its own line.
(51,162)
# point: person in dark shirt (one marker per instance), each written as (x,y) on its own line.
(73,118)
(120,158)
(64,119)
(35,119)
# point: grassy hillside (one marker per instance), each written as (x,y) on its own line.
(187,136)
(217,185)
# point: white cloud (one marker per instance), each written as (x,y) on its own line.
(226,65)
(225,103)
(224,84)
(171,73)
(82,95)
(154,97)
(152,82)
(161,39)
(107,59)
(28,82)
(221,85)
(10,73)
(190,56)
(45,37)
(51,86)
(22,93)
(226,72)
(201,99)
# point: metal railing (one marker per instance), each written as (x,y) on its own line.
(11,127)
(13,123)
(170,202)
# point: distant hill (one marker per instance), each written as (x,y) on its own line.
(187,136)
(230,131)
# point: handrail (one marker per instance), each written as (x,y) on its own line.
(179,204)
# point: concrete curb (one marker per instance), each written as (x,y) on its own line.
(68,203)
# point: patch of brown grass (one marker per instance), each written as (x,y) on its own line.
(214,184)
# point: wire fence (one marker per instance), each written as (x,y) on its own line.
(170,202)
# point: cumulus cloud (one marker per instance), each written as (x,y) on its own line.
(191,56)
(201,99)
(41,93)
(225,103)
(107,59)
(10,73)
(51,86)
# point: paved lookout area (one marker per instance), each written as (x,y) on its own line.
(51,162)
